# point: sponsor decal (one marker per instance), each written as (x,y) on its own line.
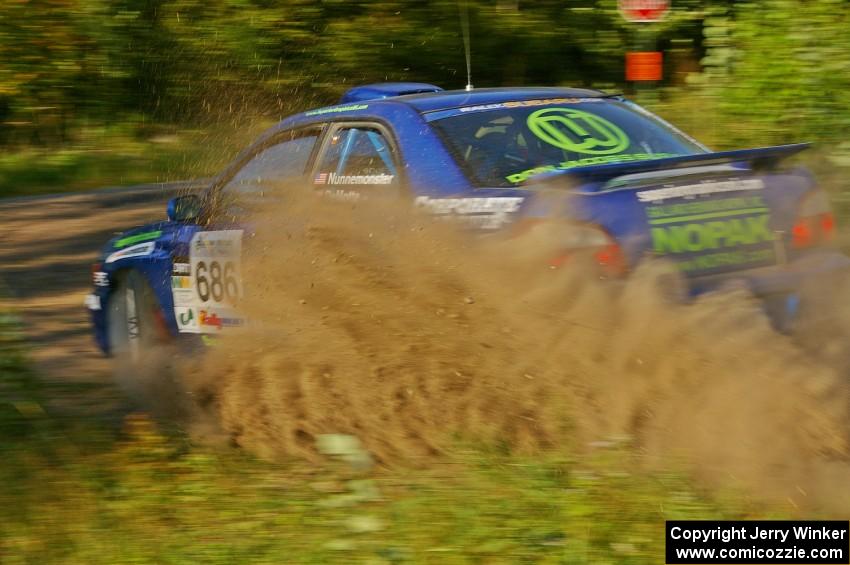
(92,302)
(701,188)
(577,131)
(100,278)
(733,258)
(336,109)
(212,319)
(333,178)
(215,243)
(340,194)
(486,213)
(181,269)
(183,296)
(714,234)
(527,104)
(138,238)
(186,319)
(140,250)
(181,283)
(727,206)
(585,162)
(723,231)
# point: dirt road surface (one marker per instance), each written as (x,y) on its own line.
(47,246)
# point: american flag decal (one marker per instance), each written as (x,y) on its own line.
(321,178)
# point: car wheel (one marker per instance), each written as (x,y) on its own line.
(822,322)
(132,318)
(140,344)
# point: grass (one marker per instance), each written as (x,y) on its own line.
(75,491)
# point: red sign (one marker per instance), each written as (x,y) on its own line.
(643,10)
(644,65)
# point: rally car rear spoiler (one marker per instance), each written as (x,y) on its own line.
(759,158)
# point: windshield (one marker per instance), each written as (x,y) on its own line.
(503,145)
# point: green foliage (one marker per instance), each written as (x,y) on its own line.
(77,62)
(778,71)
(736,73)
(125,67)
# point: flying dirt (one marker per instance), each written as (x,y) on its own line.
(400,330)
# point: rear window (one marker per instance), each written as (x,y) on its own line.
(503,145)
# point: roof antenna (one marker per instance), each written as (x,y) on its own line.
(464,25)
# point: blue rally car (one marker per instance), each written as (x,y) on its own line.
(638,187)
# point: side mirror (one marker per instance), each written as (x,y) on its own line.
(186,208)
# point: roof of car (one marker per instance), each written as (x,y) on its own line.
(436,101)
(429,102)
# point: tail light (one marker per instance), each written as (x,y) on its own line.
(815,223)
(591,240)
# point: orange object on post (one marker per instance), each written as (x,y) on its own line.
(643,66)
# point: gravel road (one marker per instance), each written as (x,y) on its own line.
(47,245)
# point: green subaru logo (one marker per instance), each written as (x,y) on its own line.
(577,131)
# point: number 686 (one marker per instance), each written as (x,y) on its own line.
(216,282)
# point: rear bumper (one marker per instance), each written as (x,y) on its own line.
(782,288)
(780,279)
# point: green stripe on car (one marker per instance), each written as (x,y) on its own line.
(138,238)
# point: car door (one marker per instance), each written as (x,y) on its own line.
(358,160)
(207,277)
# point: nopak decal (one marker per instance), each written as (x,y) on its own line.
(728,232)
(713,234)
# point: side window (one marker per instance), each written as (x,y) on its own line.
(284,161)
(357,156)
(264,175)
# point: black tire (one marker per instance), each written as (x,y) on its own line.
(141,346)
(822,326)
(131,318)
